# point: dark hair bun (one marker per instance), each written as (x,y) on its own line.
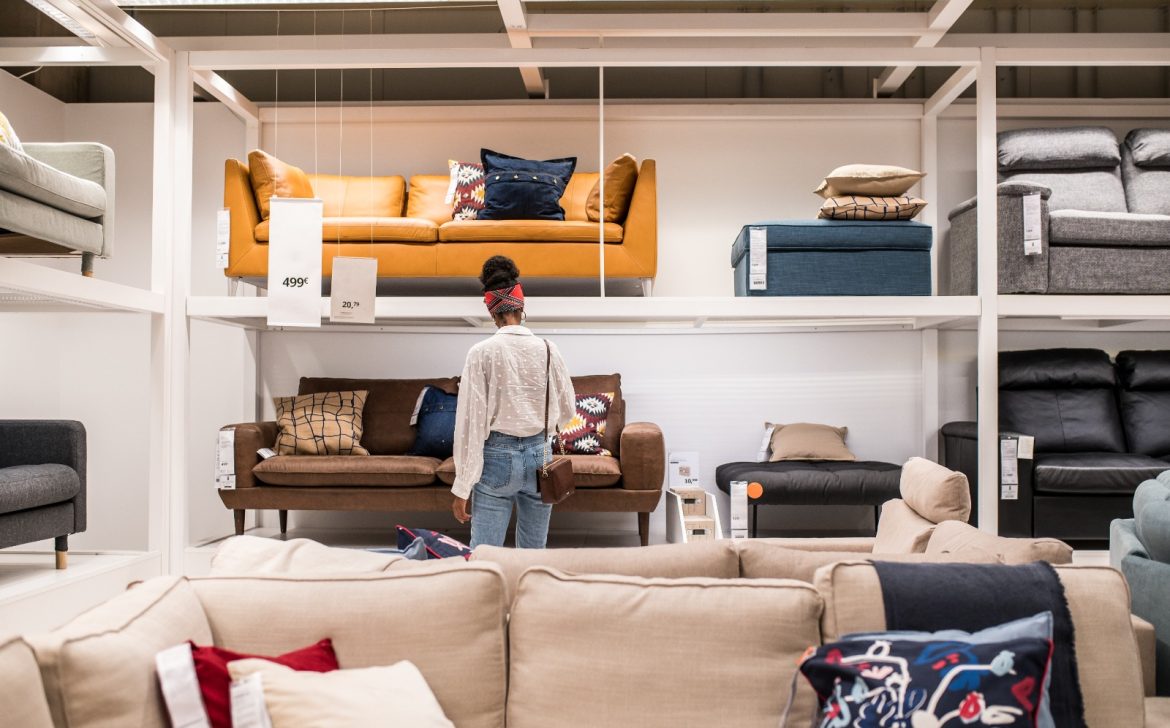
(499,271)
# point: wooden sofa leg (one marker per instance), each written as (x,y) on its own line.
(644,528)
(61,547)
(239,516)
(87,264)
(283,522)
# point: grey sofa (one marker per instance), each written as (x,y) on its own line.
(1139,547)
(1104,214)
(57,200)
(42,482)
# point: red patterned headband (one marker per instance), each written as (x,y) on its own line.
(503,300)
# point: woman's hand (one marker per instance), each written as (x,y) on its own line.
(459,509)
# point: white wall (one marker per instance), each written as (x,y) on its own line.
(35,115)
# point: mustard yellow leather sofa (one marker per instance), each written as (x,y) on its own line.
(410,231)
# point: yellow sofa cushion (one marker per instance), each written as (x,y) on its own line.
(346,196)
(427,198)
(524,231)
(369,229)
(273,178)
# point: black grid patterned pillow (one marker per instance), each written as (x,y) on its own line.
(326,423)
(859,207)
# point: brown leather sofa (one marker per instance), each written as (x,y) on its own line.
(389,480)
(412,235)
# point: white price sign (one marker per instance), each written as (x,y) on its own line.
(225,459)
(223,238)
(294,262)
(354,288)
(1009,462)
(757,259)
(1032,234)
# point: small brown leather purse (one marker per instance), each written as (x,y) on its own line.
(554,479)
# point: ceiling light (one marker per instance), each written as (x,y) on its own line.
(62,19)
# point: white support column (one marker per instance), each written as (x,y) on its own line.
(929,161)
(601,175)
(988,276)
(930,394)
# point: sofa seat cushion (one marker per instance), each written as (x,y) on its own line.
(1108,229)
(1093,473)
(21,692)
(953,537)
(525,231)
(36,180)
(796,482)
(370,230)
(347,470)
(589,471)
(761,559)
(31,486)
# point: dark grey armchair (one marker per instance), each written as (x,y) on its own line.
(42,482)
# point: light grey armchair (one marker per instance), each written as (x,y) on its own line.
(57,200)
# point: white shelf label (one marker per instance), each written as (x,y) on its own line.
(757,259)
(355,284)
(739,508)
(1027,446)
(1009,470)
(1009,492)
(1032,224)
(294,262)
(225,459)
(223,238)
(684,469)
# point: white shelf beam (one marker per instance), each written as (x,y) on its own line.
(516,24)
(949,92)
(1085,308)
(71,55)
(1088,56)
(713,25)
(228,95)
(943,15)
(38,284)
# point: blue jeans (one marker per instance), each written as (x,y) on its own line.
(509,478)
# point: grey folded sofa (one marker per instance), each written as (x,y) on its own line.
(1104,214)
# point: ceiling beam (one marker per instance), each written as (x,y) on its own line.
(80,22)
(516,23)
(942,17)
(227,94)
(712,25)
(946,95)
(70,55)
(1057,40)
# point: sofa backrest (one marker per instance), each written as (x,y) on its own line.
(427,196)
(1065,398)
(21,691)
(1144,377)
(1098,600)
(1145,169)
(346,196)
(1082,165)
(602,650)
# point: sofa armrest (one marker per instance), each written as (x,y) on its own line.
(960,451)
(1147,642)
(89,161)
(640,230)
(240,202)
(642,456)
(41,442)
(1018,273)
(250,437)
(852,544)
(1149,587)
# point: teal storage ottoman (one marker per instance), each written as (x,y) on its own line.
(837,258)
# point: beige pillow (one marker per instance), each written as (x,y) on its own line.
(900,530)
(936,493)
(955,537)
(397,695)
(882,180)
(21,692)
(325,423)
(861,207)
(253,555)
(806,441)
(620,177)
(273,178)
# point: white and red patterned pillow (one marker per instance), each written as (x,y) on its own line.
(585,433)
(466,191)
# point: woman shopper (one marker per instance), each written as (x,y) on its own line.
(500,418)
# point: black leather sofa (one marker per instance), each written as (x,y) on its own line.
(1100,429)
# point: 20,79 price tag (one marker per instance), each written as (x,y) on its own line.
(351,297)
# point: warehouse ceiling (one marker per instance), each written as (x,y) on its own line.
(210,18)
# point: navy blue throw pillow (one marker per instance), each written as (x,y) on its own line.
(435,420)
(524,189)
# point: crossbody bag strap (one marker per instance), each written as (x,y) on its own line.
(547,399)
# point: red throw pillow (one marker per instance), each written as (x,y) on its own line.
(215,683)
(584,435)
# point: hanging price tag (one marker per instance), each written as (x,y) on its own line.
(355,284)
(223,238)
(294,262)
(1032,224)
(758,259)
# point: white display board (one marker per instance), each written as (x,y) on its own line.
(294,262)
(683,469)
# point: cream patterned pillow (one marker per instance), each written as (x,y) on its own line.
(326,423)
(8,134)
(857,207)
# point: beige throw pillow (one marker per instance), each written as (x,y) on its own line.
(620,177)
(954,537)
(882,180)
(806,441)
(326,423)
(860,207)
(397,695)
(273,178)
(936,493)
(900,530)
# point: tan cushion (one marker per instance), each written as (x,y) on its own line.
(326,470)
(1098,599)
(99,669)
(806,441)
(1147,642)
(620,176)
(447,619)
(345,196)
(327,423)
(715,559)
(953,536)
(934,492)
(395,695)
(526,231)
(369,229)
(273,178)
(882,180)
(602,650)
(589,471)
(1157,712)
(865,207)
(21,692)
(427,198)
(252,555)
(575,200)
(761,560)
(900,530)
(853,544)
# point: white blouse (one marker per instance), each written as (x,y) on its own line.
(502,390)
